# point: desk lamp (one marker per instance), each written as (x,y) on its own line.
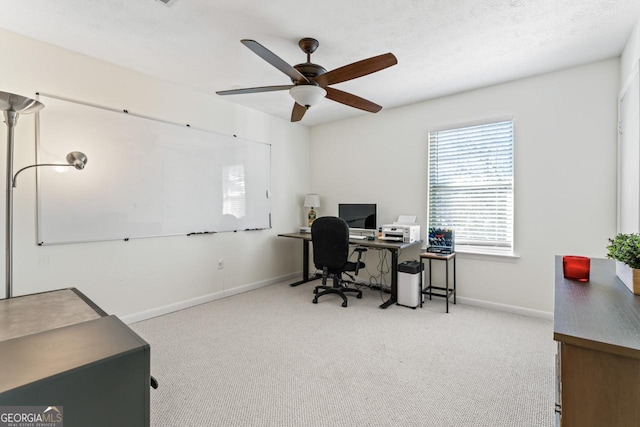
(13,105)
(311,201)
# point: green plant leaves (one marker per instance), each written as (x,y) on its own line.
(625,248)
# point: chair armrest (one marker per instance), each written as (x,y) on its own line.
(360,250)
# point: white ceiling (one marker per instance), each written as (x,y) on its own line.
(442,46)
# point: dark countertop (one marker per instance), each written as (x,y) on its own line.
(601,314)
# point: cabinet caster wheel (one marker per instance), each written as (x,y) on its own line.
(344,304)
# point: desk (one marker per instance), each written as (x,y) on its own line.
(391,246)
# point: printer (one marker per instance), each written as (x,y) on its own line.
(403,230)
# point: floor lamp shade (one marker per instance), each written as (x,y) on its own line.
(19,104)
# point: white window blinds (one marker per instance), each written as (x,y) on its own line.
(471,184)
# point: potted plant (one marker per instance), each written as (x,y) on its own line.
(625,250)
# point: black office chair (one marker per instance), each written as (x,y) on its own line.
(330,238)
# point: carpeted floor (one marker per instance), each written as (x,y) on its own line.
(270,357)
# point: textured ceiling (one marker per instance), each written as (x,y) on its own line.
(442,46)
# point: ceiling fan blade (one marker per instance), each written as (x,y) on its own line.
(254,90)
(298,112)
(357,69)
(352,100)
(275,60)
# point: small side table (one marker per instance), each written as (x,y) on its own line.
(448,291)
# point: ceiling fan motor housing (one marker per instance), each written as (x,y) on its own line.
(309,45)
(310,71)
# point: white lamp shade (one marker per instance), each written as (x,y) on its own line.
(307,95)
(312,201)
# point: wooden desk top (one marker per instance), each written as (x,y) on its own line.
(601,314)
(380,244)
(303,236)
(437,256)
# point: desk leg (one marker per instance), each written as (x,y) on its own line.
(446,292)
(454,280)
(430,284)
(421,282)
(305,264)
(394,280)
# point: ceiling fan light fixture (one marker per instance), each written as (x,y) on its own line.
(307,95)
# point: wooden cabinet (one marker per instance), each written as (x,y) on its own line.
(597,327)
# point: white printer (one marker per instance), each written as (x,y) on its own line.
(404,230)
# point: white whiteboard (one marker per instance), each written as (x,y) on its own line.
(144,177)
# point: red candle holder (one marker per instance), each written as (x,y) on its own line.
(576,267)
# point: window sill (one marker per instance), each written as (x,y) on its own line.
(487,254)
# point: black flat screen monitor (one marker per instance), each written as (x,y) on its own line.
(358,215)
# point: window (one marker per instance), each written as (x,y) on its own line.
(471,185)
(233,191)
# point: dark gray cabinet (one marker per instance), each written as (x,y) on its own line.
(97,370)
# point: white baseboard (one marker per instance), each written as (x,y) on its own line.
(181,305)
(491,305)
(504,307)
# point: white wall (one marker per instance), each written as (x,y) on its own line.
(147,276)
(565,173)
(629,138)
(630,56)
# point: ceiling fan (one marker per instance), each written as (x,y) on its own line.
(311,81)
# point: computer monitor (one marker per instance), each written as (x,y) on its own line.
(358,215)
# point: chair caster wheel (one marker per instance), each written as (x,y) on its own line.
(315,300)
(344,304)
(359,296)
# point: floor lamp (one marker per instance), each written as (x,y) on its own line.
(14,105)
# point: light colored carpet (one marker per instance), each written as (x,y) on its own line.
(270,357)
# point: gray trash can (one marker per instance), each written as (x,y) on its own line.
(409,284)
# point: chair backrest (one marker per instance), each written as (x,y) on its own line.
(330,239)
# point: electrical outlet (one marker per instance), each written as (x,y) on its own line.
(220,263)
